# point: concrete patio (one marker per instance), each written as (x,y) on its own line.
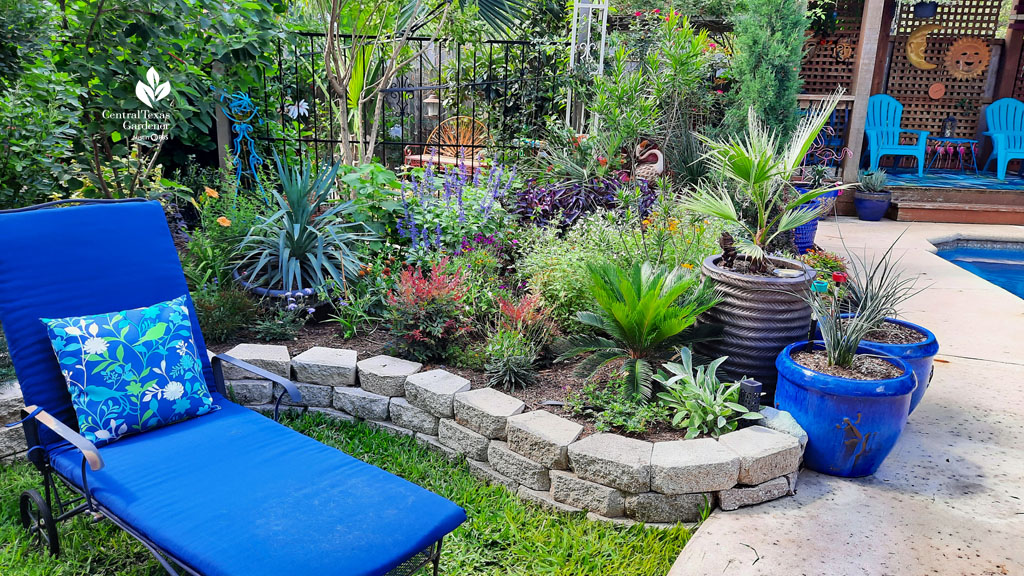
(950,497)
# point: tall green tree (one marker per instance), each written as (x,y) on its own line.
(768,41)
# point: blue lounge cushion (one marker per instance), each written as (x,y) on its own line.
(130,371)
(235,493)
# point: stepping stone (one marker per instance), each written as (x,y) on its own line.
(486,411)
(568,488)
(481,471)
(782,421)
(326,366)
(385,375)
(740,496)
(408,416)
(312,395)
(462,440)
(543,437)
(654,507)
(361,404)
(434,391)
(273,358)
(764,454)
(613,460)
(698,465)
(544,500)
(520,469)
(250,392)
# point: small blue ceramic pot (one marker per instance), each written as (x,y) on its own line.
(919,355)
(851,425)
(871,207)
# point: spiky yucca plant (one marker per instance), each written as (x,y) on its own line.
(756,169)
(644,312)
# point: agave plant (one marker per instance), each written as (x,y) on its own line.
(756,170)
(702,404)
(306,242)
(645,311)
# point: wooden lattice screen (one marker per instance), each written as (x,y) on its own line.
(962,96)
(828,61)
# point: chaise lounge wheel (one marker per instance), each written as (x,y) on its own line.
(38,520)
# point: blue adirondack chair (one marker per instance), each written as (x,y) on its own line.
(883,132)
(1005,118)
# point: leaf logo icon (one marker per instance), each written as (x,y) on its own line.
(152,90)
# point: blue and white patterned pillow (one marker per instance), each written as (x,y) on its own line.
(130,371)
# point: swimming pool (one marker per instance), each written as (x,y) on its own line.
(1001,263)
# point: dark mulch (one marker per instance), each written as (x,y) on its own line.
(891,333)
(864,367)
(327,334)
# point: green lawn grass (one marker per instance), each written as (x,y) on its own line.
(503,535)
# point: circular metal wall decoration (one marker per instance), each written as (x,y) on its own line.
(844,50)
(937,91)
(967,57)
(916,44)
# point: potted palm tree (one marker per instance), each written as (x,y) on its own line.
(763,295)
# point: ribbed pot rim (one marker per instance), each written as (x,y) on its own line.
(710,266)
(813,380)
(872,195)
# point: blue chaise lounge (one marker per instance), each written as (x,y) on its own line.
(230,492)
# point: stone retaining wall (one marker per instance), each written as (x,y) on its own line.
(537,454)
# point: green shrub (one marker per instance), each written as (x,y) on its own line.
(614,408)
(643,312)
(222,310)
(510,358)
(280,324)
(427,314)
(699,402)
(305,243)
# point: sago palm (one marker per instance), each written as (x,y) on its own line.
(756,169)
(644,312)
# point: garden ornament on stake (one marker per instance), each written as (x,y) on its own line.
(242,111)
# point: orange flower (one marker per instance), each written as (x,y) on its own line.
(211,192)
(687,266)
(223,221)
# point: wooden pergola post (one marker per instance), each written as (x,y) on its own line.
(872,31)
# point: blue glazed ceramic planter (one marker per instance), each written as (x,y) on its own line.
(871,207)
(919,356)
(851,425)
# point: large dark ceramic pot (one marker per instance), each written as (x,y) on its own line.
(851,425)
(322,309)
(760,315)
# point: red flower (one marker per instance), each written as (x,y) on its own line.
(656,11)
(638,14)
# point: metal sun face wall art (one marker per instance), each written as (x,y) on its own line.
(967,57)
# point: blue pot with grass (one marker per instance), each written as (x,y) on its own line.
(920,356)
(851,425)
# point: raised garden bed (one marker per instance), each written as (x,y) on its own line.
(536,453)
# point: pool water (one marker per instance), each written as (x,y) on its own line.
(1002,267)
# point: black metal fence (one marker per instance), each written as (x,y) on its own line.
(507,89)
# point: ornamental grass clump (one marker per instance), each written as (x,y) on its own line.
(643,312)
(755,196)
(520,338)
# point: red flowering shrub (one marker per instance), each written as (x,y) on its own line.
(427,313)
(529,318)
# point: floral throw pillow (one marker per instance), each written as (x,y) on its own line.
(130,371)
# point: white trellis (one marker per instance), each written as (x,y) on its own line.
(589,28)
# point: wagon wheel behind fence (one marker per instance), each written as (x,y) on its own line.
(458,137)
